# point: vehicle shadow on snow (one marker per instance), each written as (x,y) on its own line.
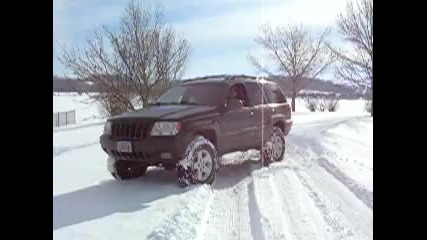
(231,175)
(111,196)
(237,170)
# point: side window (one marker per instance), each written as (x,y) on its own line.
(274,93)
(280,98)
(269,92)
(254,94)
(238,91)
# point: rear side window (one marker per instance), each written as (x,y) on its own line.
(254,93)
(274,93)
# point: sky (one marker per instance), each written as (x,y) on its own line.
(220,32)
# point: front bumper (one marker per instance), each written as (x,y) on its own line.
(149,150)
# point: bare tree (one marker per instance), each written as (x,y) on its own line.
(296,54)
(356,27)
(140,61)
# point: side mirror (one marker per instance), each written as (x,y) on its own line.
(233,104)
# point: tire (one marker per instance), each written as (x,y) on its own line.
(278,143)
(274,149)
(127,170)
(265,156)
(199,164)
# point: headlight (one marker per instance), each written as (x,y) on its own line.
(165,128)
(107,128)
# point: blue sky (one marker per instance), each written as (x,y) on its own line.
(221,32)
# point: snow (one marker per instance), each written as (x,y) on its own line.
(352,141)
(344,106)
(85,109)
(323,189)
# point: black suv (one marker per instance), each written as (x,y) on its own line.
(191,125)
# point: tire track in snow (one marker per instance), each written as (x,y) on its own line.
(273,222)
(61,150)
(230,218)
(332,217)
(355,211)
(187,221)
(364,195)
(256,220)
(329,187)
(205,219)
(305,219)
(319,152)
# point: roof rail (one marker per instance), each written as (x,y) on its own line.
(226,77)
(232,77)
(206,77)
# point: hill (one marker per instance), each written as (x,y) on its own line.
(313,86)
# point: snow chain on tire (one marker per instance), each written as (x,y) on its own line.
(267,150)
(184,168)
(266,155)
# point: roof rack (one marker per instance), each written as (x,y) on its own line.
(206,77)
(222,77)
(232,77)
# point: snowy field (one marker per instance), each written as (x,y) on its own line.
(86,111)
(322,190)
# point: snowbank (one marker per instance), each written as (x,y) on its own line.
(87,110)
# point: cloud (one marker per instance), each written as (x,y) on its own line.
(73,20)
(220,32)
(244,23)
(220,63)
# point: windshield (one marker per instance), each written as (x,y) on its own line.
(198,94)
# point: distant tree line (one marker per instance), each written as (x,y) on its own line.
(61,84)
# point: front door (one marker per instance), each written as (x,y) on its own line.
(237,126)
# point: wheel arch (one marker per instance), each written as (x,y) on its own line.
(209,134)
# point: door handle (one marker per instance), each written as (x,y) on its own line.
(252,113)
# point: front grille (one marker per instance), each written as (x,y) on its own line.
(130,130)
(131,156)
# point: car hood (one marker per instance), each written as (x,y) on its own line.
(166,112)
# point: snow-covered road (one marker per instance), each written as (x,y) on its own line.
(322,190)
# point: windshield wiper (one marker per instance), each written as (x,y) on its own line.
(175,103)
(187,102)
(165,103)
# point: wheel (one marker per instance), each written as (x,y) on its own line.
(127,170)
(265,153)
(274,148)
(278,144)
(199,163)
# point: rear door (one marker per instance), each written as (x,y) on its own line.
(280,108)
(260,115)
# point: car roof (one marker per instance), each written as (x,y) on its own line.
(226,79)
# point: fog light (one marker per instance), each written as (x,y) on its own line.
(165,155)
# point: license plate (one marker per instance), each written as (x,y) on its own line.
(124,147)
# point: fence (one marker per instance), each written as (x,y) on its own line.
(64,118)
